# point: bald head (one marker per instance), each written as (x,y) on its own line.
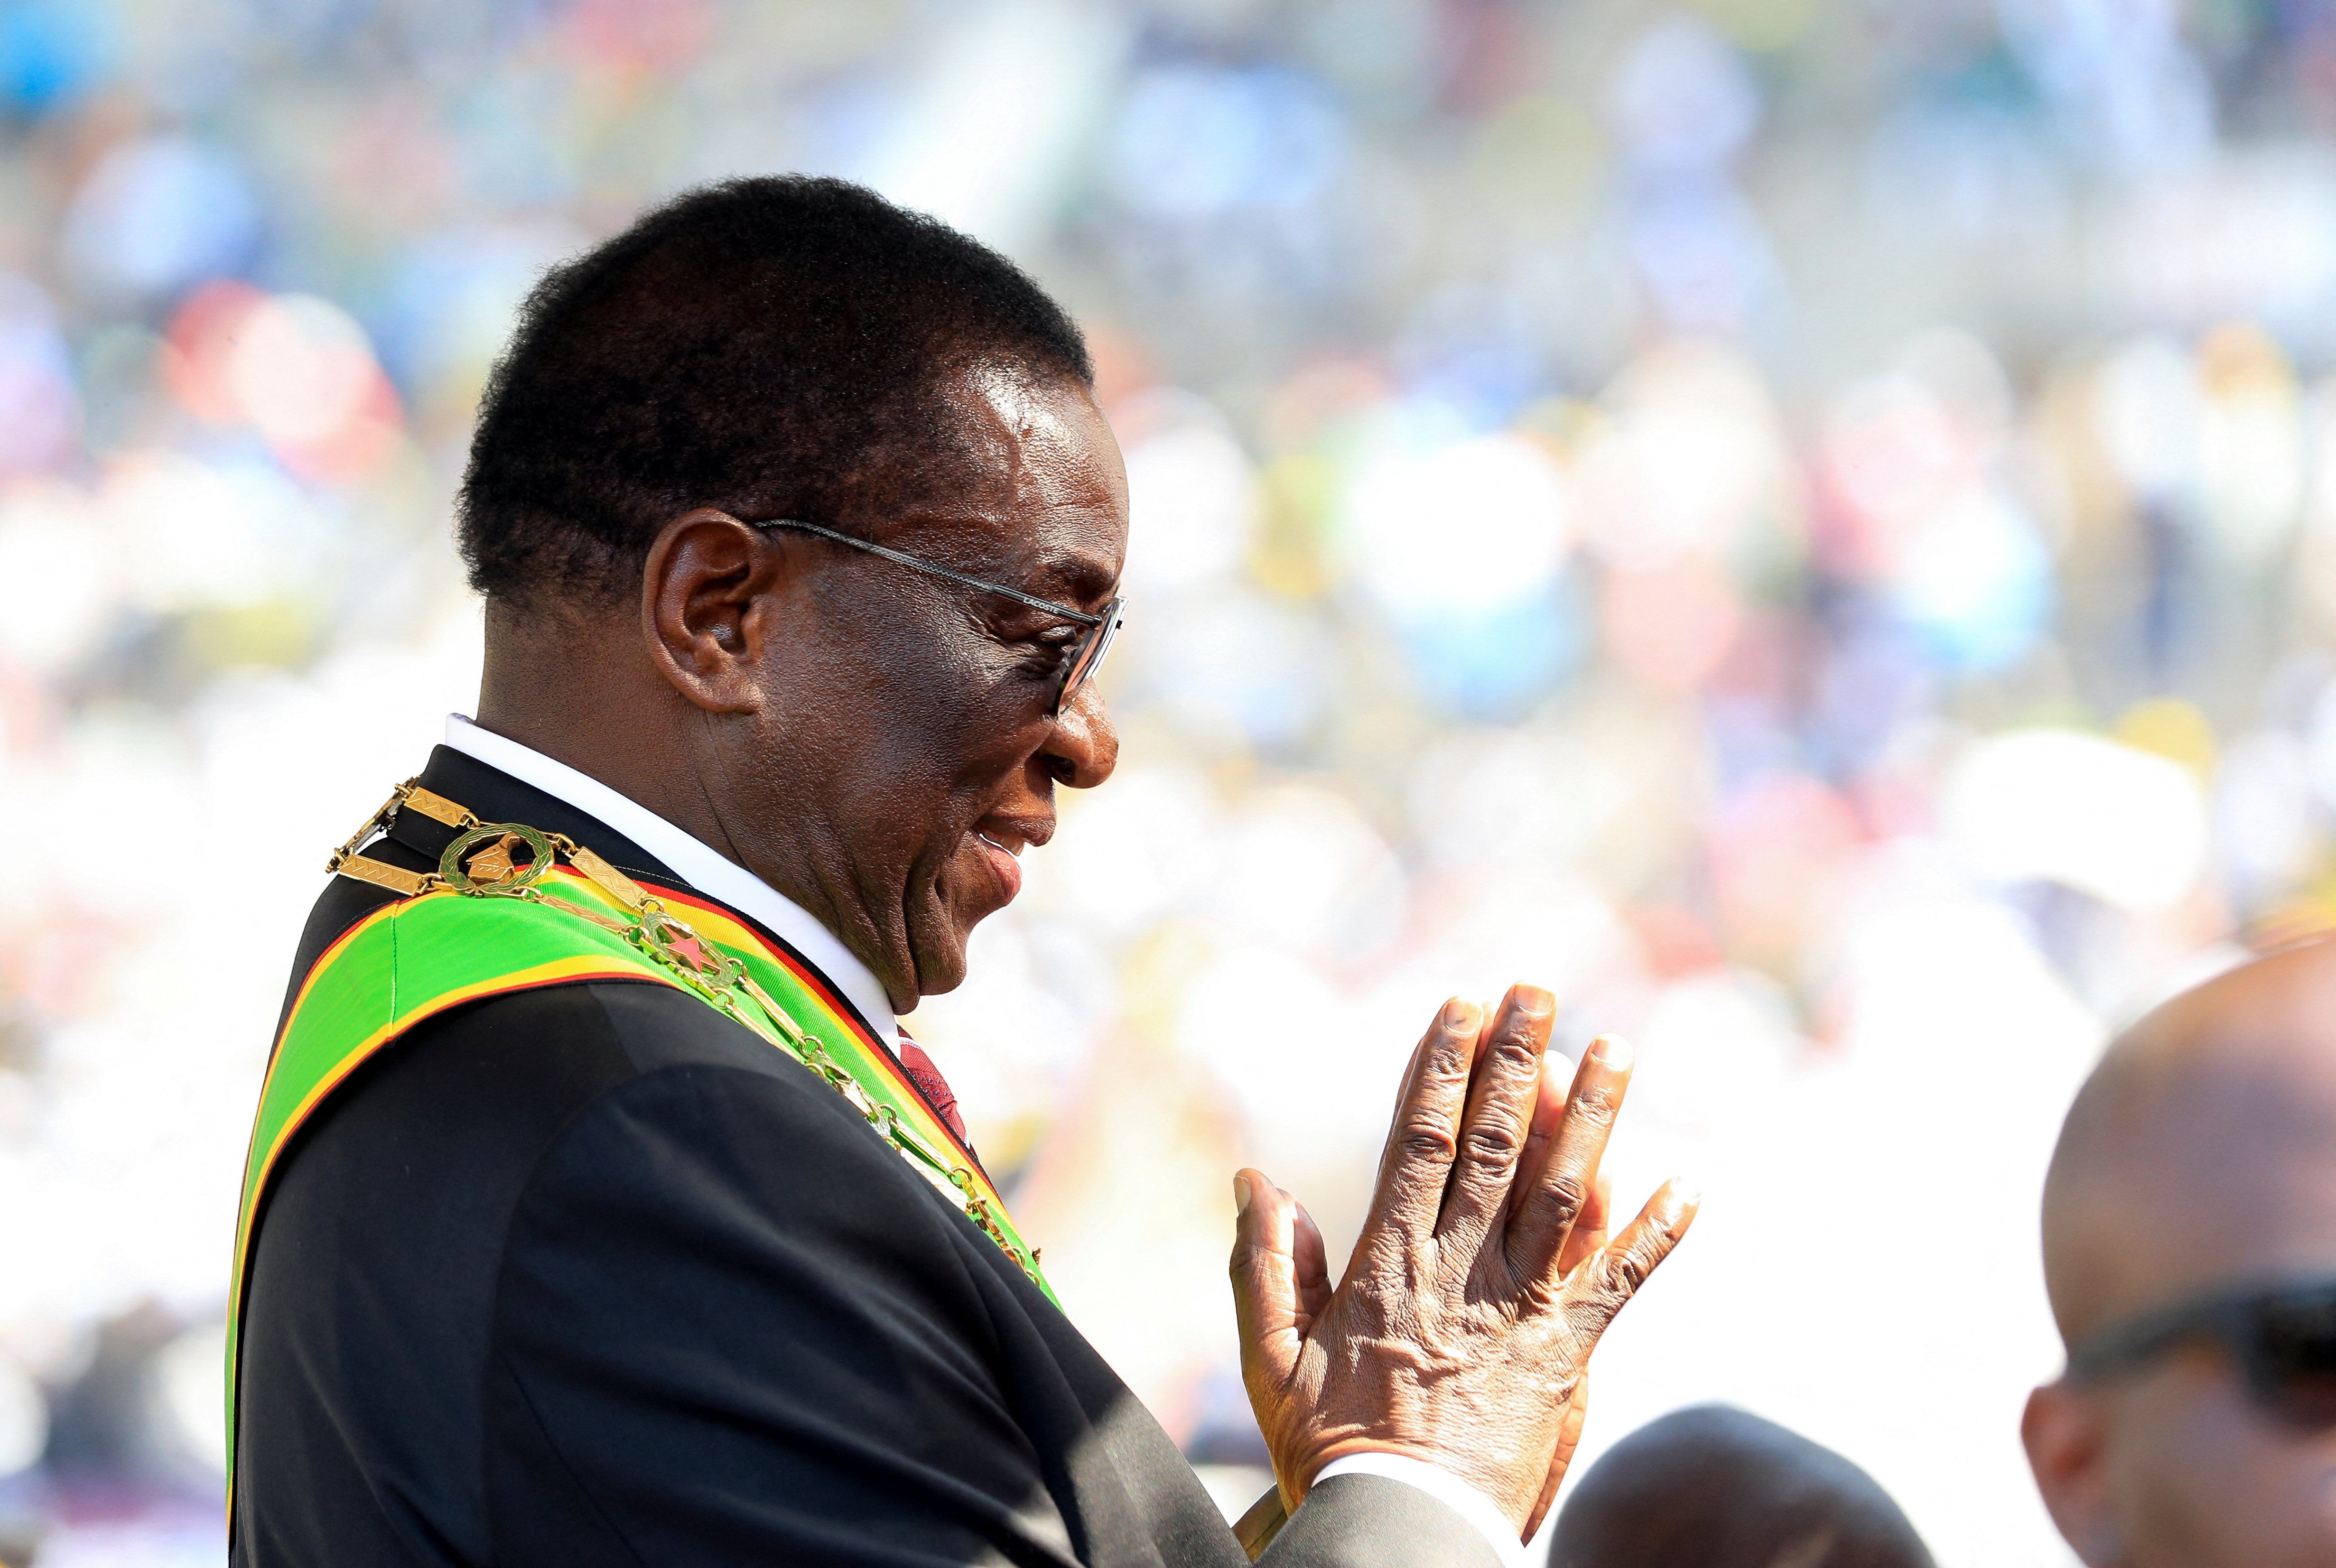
(1716,1487)
(2201,1151)
(2200,1158)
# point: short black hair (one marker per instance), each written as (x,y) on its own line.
(775,346)
(1712,1486)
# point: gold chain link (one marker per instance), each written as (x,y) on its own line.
(651,916)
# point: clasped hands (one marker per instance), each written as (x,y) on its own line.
(1461,1331)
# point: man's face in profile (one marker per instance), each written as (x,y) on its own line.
(922,708)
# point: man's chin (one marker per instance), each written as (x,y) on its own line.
(940,920)
(938,944)
(940,973)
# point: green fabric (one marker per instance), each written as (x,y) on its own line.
(418,957)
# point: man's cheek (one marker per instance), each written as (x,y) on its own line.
(2306,1477)
(2225,1475)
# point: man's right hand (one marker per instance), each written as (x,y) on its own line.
(1462,1328)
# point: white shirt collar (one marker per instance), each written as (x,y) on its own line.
(695,862)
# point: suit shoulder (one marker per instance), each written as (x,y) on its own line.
(662,1026)
(681,1087)
(703,1092)
(461,1084)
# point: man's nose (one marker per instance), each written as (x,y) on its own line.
(1085,746)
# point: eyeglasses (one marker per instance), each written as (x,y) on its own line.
(1086,655)
(2282,1338)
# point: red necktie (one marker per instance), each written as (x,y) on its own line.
(931,1084)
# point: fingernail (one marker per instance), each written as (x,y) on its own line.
(1534,1002)
(1686,1192)
(1611,1051)
(1241,1196)
(1456,1013)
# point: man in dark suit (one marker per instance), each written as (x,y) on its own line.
(799,532)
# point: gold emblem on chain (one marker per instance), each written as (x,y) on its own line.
(485,861)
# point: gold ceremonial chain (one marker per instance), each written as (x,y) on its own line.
(482,862)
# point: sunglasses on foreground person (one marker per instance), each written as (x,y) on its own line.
(2190,1252)
(2281,1339)
(600,1211)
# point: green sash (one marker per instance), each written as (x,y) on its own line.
(413,959)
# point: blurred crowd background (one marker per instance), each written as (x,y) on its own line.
(1807,526)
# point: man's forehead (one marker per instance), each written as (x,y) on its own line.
(1045,492)
(1075,544)
(2120,1254)
(2208,1159)
(1036,428)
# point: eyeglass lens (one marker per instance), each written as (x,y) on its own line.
(1086,656)
(2290,1357)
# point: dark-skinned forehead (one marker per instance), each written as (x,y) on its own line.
(1058,564)
(1042,503)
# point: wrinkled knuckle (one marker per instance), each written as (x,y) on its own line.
(1427,1138)
(1627,1270)
(1598,1104)
(1566,1195)
(1493,1145)
(1514,1050)
(1446,1064)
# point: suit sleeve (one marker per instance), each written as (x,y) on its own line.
(731,1328)
(1372,1522)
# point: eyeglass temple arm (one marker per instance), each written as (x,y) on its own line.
(926,566)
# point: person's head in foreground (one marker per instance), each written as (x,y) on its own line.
(2190,1249)
(1716,1487)
(699,431)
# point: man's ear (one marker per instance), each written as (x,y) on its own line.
(705,607)
(2066,1432)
